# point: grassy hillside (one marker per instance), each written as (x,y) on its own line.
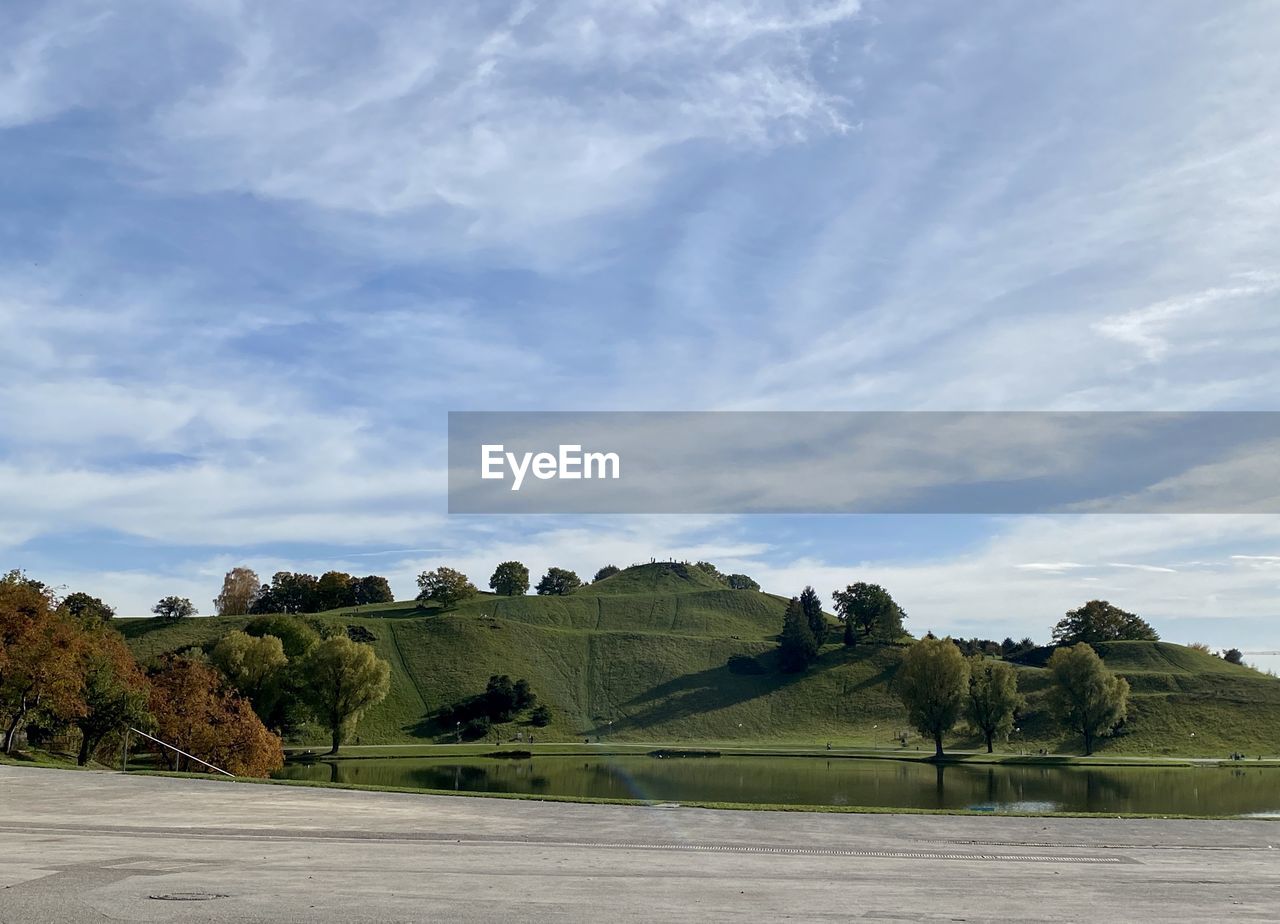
(663,653)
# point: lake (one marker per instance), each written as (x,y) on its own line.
(1237,790)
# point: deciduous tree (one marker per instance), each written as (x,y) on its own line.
(372,588)
(86,609)
(115,695)
(607,571)
(342,679)
(240,588)
(993,699)
(511,579)
(445,586)
(253,665)
(1086,696)
(1099,621)
(558,582)
(335,589)
(172,609)
(868,609)
(932,683)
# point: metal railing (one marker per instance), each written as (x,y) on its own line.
(124,761)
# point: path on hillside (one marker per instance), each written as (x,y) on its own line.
(88,846)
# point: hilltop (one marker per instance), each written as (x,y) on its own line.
(664,652)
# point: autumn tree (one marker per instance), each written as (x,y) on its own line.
(867,609)
(607,571)
(932,683)
(993,699)
(172,609)
(42,655)
(115,695)
(558,582)
(445,586)
(341,679)
(86,609)
(797,648)
(511,579)
(239,591)
(813,614)
(1099,621)
(1086,696)
(195,710)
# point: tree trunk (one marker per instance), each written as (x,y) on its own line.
(1088,744)
(337,740)
(11,733)
(85,747)
(990,745)
(937,745)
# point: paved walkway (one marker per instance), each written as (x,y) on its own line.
(80,846)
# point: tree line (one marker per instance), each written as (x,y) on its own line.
(65,670)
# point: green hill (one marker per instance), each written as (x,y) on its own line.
(663,652)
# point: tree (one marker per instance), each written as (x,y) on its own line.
(932,683)
(797,648)
(372,588)
(293,632)
(341,679)
(116,692)
(252,664)
(1233,656)
(294,592)
(42,654)
(741,582)
(607,571)
(172,609)
(500,698)
(335,589)
(1099,621)
(869,608)
(813,614)
(1086,696)
(541,716)
(511,579)
(445,586)
(195,711)
(707,568)
(993,699)
(239,590)
(558,582)
(86,609)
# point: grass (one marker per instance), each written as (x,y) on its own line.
(661,653)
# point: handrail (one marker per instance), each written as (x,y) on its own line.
(180,751)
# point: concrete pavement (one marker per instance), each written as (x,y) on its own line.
(84,846)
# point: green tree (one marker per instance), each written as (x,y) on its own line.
(932,683)
(445,586)
(868,608)
(292,631)
(1086,696)
(172,609)
(541,716)
(606,572)
(993,699)
(511,579)
(741,582)
(372,588)
(240,589)
(707,568)
(252,664)
(86,609)
(558,582)
(813,614)
(1099,621)
(797,648)
(294,592)
(342,679)
(1233,656)
(335,589)
(115,694)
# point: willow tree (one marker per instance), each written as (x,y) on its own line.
(992,699)
(1086,696)
(340,680)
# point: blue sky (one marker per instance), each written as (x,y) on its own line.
(251,254)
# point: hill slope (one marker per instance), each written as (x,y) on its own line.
(655,654)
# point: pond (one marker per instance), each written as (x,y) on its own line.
(1241,790)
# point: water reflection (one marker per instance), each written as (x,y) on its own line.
(830,781)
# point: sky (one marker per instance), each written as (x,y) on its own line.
(252,254)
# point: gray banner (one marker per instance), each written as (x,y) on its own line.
(863,462)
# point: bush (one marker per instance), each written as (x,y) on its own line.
(541,716)
(476,728)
